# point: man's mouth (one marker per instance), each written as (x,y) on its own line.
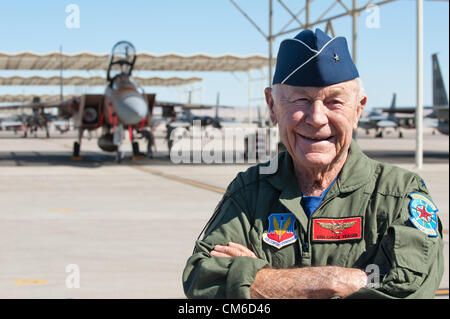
(316,138)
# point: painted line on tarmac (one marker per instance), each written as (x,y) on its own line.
(442,292)
(30,282)
(180,179)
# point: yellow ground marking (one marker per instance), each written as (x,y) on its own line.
(442,292)
(180,179)
(30,282)
(76,158)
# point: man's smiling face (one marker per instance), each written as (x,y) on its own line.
(316,123)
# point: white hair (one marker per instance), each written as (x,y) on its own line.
(361,90)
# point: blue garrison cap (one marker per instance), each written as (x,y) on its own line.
(314,59)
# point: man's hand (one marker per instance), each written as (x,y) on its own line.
(307,283)
(232,250)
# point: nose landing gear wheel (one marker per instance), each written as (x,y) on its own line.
(119,156)
(76,152)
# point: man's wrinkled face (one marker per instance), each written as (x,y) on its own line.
(316,123)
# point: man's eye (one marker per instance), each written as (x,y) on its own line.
(335,102)
(301,100)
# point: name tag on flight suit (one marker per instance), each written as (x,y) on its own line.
(337,229)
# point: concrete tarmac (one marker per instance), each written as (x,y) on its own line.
(127,229)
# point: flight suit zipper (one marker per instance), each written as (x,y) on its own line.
(306,257)
(305,247)
(306,253)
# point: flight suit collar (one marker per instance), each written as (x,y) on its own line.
(356,171)
(354,174)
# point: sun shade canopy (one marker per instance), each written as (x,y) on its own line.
(95,80)
(144,62)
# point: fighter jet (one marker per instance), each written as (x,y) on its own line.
(29,123)
(11,123)
(123,106)
(379,121)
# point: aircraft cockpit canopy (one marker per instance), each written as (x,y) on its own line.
(123,81)
(123,56)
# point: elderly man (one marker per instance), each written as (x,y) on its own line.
(330,222)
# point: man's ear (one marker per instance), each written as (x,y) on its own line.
(270,103)
(362,102)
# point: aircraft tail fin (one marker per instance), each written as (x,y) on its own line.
(391,115)
(217,105)
(393,103)
(439,93)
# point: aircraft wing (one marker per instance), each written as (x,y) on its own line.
(189,106)
(401,109)
(8,124)
(39,105)
(386,123)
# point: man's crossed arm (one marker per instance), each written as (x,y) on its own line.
(303,283)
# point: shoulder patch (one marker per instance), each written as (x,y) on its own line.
(423,214)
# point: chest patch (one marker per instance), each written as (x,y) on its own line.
(281,231)
(337,229)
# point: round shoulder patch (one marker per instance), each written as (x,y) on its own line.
(423,214)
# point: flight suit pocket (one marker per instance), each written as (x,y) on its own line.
(285,257)
(411,248)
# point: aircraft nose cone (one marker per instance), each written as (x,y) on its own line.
(131,109)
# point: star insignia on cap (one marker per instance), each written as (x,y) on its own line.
(336,57)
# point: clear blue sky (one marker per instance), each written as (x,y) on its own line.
(386,55)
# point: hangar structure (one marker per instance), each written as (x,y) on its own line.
(144,62)
(338,9)
(86,61)
(93,81)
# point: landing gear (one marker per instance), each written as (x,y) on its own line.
(136,152)
(76,149)
(47,133)
(119,156)
(148,135)
(135,147)
(379,134)
(149,149)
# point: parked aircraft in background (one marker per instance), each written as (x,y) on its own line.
(379,120)
(123,106)
(29,123)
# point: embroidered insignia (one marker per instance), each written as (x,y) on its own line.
(423,214)
(337,229)
(281,230)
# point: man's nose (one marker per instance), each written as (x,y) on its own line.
(317,115)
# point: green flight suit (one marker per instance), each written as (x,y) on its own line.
(376,194)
